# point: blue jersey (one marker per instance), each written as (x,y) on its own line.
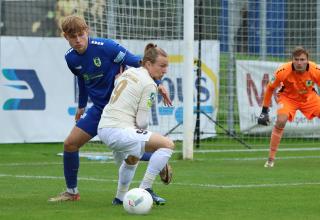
(96,69)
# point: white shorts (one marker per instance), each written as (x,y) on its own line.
(124,141)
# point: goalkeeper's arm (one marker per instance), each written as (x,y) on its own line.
(264,116)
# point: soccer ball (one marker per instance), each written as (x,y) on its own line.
(137,201)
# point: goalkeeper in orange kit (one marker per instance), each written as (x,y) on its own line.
(296,80)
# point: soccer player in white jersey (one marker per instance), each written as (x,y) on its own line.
(125,119)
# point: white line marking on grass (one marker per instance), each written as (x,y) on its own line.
(232,186)
(254,150)
(51,163)
(260,158)
(246,185)
(171,161)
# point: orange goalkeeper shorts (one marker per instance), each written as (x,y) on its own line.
(309,108)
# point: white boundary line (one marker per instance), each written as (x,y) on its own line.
(258,158)
(171,161)
(237,186)
(212,151)
(254,150)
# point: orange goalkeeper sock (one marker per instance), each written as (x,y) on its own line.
(275,141)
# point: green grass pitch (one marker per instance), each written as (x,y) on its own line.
(215,185)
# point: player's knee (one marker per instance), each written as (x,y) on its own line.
(170,144)
(281,123)
(69,146)
(132,160)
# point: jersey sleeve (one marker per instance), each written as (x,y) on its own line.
(317,75)
(145,103)
(70,66)
(148,97)
(121,55)
(83,95)
(132,60)
(271,86)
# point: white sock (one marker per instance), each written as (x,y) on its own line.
(126,174)
(147,181)
(157,162)
(73,190)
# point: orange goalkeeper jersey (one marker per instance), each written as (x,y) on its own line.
(294,85)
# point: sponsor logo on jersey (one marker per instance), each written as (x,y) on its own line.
(97,61)
(87,77)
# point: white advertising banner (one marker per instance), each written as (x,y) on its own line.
(252,77)
(38,92)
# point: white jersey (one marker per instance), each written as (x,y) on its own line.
(134,89)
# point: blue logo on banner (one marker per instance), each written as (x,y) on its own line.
(38,102)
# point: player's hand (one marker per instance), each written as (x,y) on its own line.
(165,95)
(79,113)
(264,119)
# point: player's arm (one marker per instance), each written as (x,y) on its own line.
(165,95)
(82,99)
(317,76)
(120,55)
(264,118)
(147,99)
(83,95)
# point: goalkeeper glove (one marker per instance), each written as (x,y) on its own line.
(264,117)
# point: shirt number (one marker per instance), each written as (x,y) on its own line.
(118,90)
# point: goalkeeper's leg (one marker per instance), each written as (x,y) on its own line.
(275,140)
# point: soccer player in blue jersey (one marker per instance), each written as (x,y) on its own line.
(95,62)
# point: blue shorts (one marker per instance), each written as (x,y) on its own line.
(89,123)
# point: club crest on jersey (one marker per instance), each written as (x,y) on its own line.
(151,99)
(309,83)
(97,61)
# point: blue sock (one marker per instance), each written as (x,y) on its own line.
(146,156)
(71,166)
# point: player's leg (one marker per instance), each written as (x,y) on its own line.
(285,112)
(165,174)
(276,136)
(162,148)
(74,141)
(85,129)
(126,150)
(126,174)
